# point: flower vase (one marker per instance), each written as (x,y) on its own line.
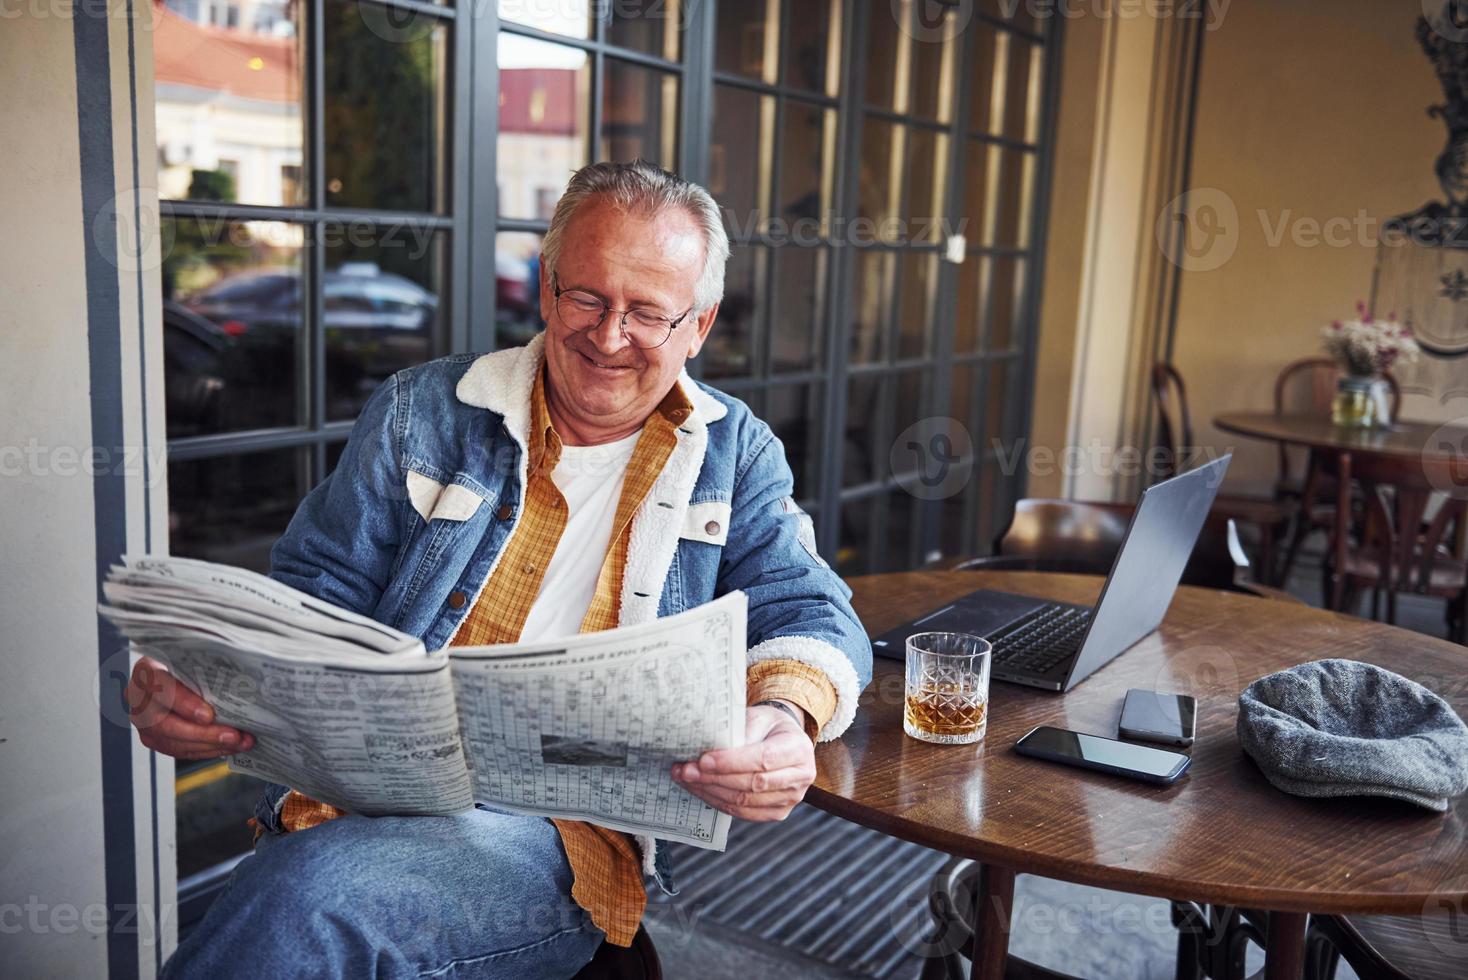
(1355,402)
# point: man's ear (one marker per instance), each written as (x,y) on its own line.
(702,326)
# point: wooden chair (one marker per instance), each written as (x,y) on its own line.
(1083,538)
(1392,545)
(1415,947)
(1308,386)
(636,962)
(1270,517)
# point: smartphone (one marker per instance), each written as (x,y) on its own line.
(1103,754)
(1151,717)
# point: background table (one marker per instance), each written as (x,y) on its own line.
(1404,439)
(1221,835)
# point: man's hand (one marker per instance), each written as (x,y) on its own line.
(760,780)
(174,720)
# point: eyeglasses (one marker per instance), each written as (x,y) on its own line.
(581,310)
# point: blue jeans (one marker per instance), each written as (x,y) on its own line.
(485,894)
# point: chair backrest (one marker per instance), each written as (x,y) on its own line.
(1084,537)
(1307,387)
(1398,493)
(1174,422)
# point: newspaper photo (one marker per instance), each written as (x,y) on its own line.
(353,713)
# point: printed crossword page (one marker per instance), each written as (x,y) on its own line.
(588,727)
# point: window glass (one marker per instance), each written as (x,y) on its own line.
(232,323)
(741,146)
(747,39)
(863,459)
(516,288)
(807,173)
(545,123)
(383,308)
(639,114)
(569,17)
(228,103)
(386,107)
(233,508)
(653,27)
(813,54)
(794,413)
(800,308)
(730,351)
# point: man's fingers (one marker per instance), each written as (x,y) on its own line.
(179,729)
(188,749)
(779,751)
(154,691)
(792,777)
(758,809)
(732,800)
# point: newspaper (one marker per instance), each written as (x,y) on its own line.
(361,716)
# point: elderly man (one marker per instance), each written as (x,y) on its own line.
(578,483)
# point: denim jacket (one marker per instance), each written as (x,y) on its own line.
(428,490)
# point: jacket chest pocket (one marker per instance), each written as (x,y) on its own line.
(700,549)
(707,522)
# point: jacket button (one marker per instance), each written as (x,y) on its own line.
(457,600)
(504,512)
(712,527)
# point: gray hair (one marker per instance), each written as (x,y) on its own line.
(645,188)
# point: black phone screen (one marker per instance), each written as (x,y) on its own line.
(1092,750)
(1163,714)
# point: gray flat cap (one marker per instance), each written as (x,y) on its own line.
(1344,728)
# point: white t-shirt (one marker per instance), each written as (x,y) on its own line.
(590,478)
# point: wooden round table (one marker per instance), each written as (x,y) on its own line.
(1221,835)
(1403,439)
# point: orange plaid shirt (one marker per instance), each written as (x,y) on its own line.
(604,863)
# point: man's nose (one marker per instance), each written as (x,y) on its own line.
(607,335)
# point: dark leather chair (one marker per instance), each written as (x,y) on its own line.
(636,962)
(1269,517)
(1083,537)
(1410,947)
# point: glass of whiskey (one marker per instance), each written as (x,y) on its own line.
(947,691)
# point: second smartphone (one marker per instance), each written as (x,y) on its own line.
(1168,719)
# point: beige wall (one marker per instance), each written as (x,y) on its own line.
(1311,131)
(1066,243)
(1309,111)
(53,856)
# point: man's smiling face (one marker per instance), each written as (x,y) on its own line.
(600,386)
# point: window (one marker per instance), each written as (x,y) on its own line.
(319,165)
(301,268)
(578,81)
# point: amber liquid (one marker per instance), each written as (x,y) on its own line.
(946,710)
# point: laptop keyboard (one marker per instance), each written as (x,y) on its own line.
(1038,642)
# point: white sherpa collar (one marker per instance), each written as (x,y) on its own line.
(502,381)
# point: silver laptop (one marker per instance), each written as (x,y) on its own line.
(1056,645)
